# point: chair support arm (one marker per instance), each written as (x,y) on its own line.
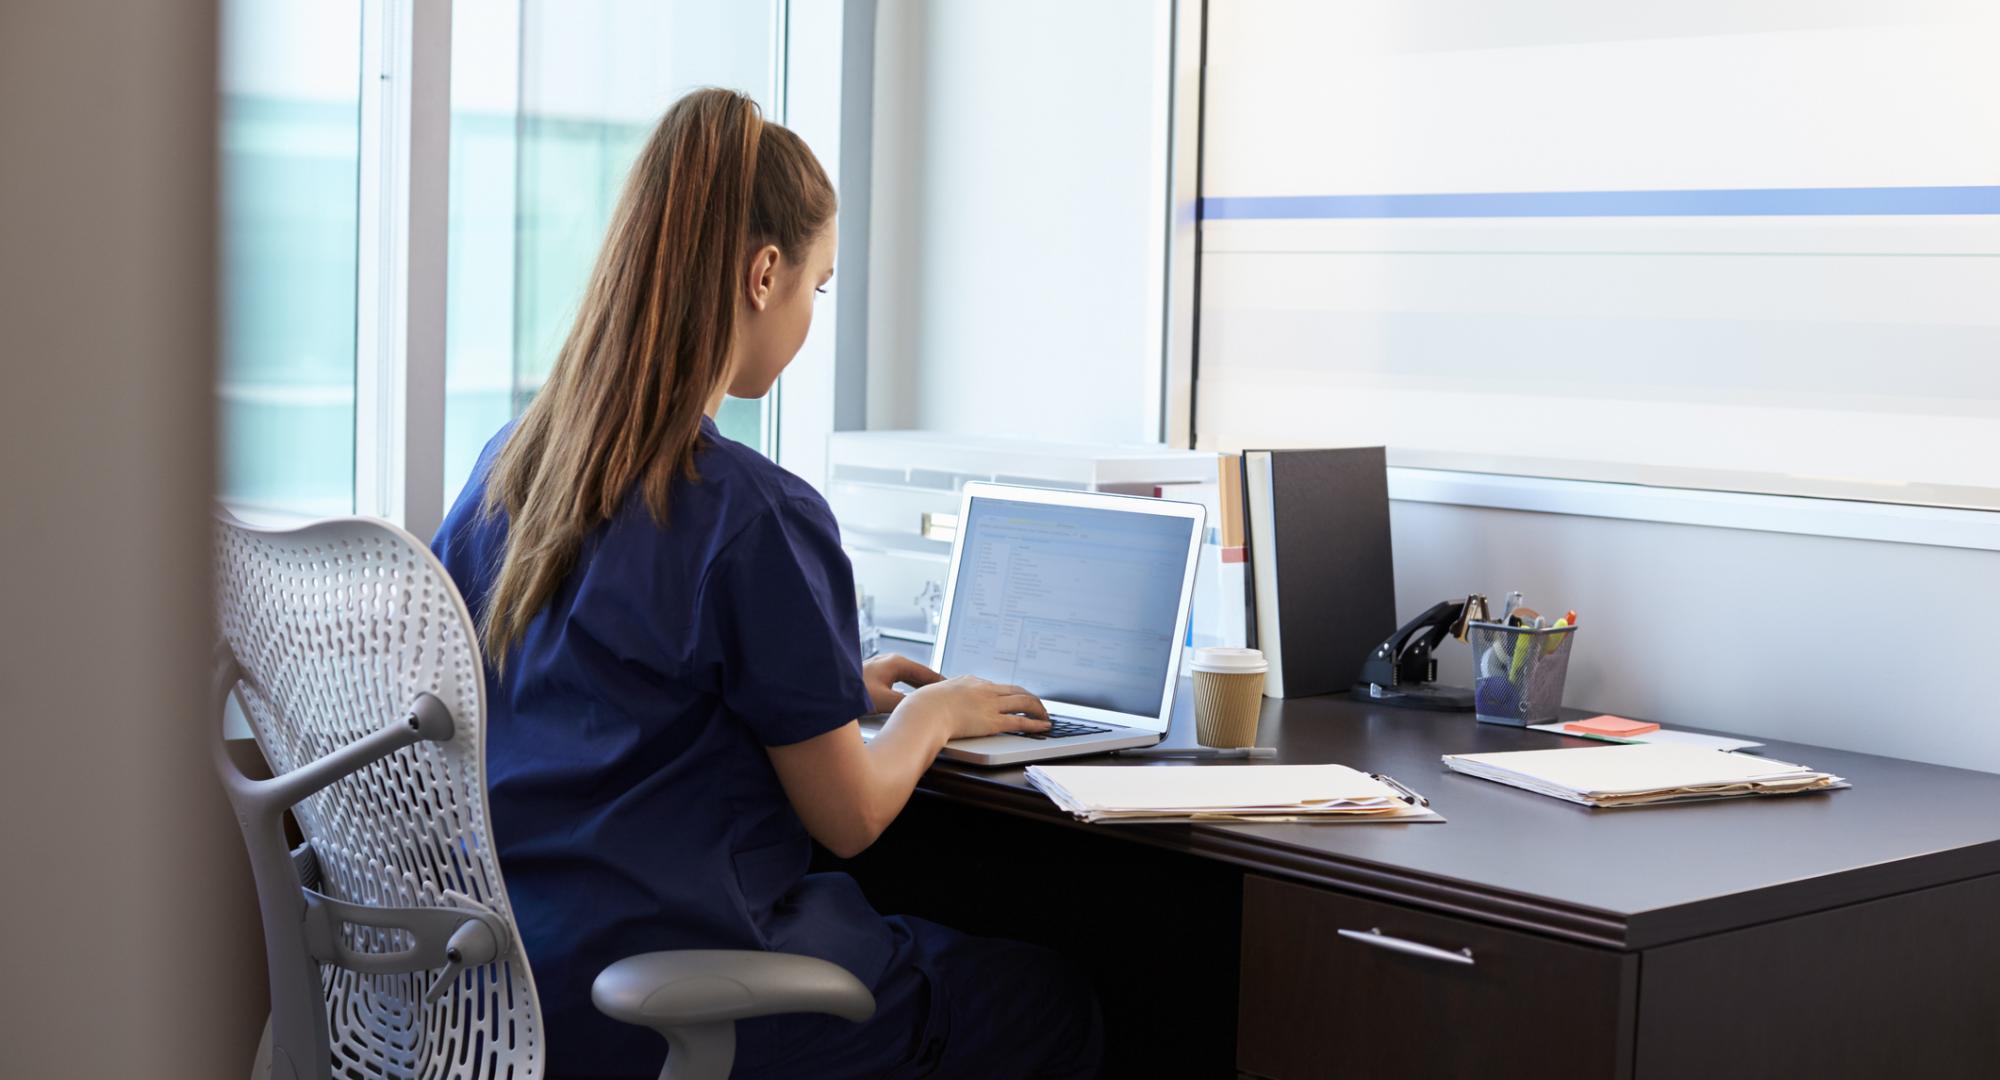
(705,986)
(427,721)
(693,998)
(437,937)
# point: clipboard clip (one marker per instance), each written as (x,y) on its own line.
(1404,793)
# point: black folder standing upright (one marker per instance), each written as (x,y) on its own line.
(1321,582)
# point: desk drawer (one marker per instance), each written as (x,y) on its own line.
(1334,985)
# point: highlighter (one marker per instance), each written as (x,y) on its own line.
(1554,641)
(1520,658)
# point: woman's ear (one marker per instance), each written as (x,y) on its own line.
(763,278)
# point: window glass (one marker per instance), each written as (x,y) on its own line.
(290,161)
(550,105)
(1778,277)
(480,231)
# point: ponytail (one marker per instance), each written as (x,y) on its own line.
(651,342)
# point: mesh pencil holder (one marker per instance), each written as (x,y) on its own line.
(1518,673)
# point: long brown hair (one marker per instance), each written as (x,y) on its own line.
(651,342)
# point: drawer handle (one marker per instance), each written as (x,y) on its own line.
(1374,936)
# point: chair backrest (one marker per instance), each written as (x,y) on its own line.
(334,631)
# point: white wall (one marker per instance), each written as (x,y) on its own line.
(1017,256)
(1878,647)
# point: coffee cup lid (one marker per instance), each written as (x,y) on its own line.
(1229,661)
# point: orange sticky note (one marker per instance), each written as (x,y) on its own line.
(1616,727)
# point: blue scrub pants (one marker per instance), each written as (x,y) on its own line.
(949,1006)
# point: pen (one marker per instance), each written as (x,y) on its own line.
(1200,752)
(1407,795)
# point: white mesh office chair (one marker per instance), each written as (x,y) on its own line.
(392,949)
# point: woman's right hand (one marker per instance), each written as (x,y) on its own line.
(969,706)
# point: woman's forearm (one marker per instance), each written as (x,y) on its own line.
(847,791)
(898,755)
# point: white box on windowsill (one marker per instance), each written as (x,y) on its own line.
(882,484)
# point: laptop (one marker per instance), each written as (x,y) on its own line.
(1080,597)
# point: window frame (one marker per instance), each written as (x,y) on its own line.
(801,413)
(402,270)
(1188,79)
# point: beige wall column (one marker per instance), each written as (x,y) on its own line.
(131,942)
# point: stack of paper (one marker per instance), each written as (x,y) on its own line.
(1637,774)
(1107,793)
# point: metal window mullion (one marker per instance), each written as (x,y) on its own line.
(781,25)
(1183,284)
(399,377)
(370,418)
(811,73)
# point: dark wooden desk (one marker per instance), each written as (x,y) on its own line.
(1845,934)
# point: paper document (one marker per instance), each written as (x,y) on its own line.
(1641,773)
(1664,735)
(1099,793)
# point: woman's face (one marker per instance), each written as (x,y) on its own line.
(777,311)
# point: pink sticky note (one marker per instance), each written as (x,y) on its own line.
(1616,727)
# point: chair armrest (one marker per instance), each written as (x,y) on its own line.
(706,986)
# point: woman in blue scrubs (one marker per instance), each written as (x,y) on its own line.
(673,656)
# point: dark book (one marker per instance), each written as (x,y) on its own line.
(1321,580)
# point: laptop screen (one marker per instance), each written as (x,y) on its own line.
(1076,604)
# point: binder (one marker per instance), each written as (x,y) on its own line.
(1321,580)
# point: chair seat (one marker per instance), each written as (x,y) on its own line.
(705,986)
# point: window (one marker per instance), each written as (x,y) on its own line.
(551,103)
(1748,247)
(290,159)
(322,394)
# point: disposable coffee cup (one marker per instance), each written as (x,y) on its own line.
(1228,695)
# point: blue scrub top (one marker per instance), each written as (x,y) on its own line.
(633,805)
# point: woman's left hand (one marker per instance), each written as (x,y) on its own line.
(883,672)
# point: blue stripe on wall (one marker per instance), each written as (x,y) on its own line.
(1716,202)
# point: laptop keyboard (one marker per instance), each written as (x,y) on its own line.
(1064,728)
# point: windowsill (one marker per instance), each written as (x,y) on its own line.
(1840,518)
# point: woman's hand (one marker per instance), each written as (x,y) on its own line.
(969,706)
(883,672)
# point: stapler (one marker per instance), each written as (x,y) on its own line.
(1402,671)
